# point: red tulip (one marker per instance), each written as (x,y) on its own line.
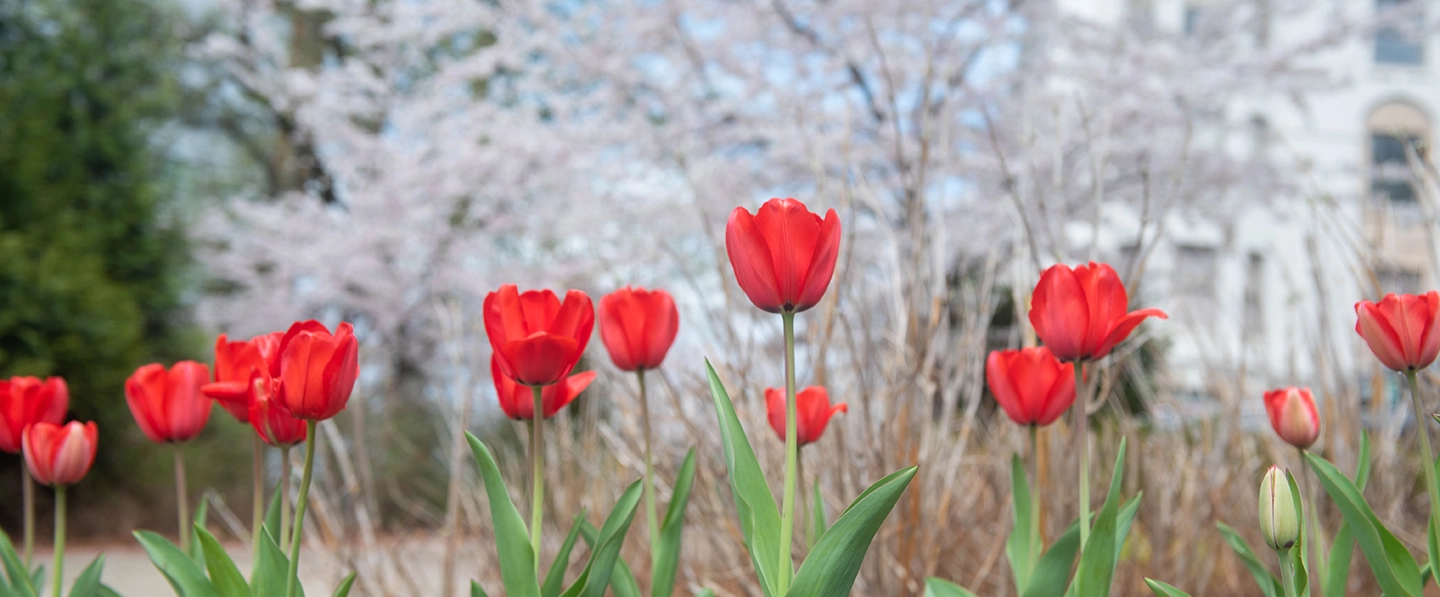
(784,255)
(1031,385)
(1402,329)
(518,401)
(536,339)
(1080,313)
(168,405)
(812,412)
(60,455)
(235,363)
(638,327)
(27,400)
(269,416)
(1293,415)
(317,368)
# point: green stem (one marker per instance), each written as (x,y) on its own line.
(182,502)
(807,519)
(537,473)
(792,456)
(1082,446)
(27,484)
(293,578)
(59,537)
(1035,504)
(257,497)
(652,516)
(1309,521)
(284,529)
(1287,573)
(1428,464)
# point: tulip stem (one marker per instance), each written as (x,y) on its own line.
(27,485)
(1035,505)
(1428,464)
(792,456)
(182,503)
(1082,446)
(284,529)
(257,497)
(59,537)
(311,439)
(1287,573)
(652,516)
(537,472)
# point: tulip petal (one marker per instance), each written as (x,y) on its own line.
(565,392)
(751,258)
(791,232)
(1122,329)
(1060,314)
(822,263)
(539,310)
(541,359)
(1002,388)
(1060,396)
(1378,333)
(145,395)
(1105,296)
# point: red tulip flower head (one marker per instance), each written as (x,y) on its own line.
(25,401)
(518,401)
(1401,330)
(783,255)
(812,412)
(60,455)
(268,415)
(317,369)
(638,326)
(1080,313)
(1293,415)
(235,364)
(1031,385)
(168,405)
(537,339)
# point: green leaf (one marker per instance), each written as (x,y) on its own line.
(223,573)
(622,580)
(344,589)
(555,579)
(662,576)
(1097,562)
(705,593)
(754,504)
(1301,563)
(272,515)
(88,583)
(272,570)
(606,551)
(202,512)
(108,592)
(1052,572)
(1394,568)
(183,575)
(1269,584)
(939,587)
(20,582)
(1021,548)
(1337,570)
(818,522)
(476,591)
(831,567)
(517,559)
(1163,590)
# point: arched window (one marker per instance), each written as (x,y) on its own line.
(1396,130)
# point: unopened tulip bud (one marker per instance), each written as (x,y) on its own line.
(1279,518)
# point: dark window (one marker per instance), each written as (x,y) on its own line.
(1390,174)
(1394,45)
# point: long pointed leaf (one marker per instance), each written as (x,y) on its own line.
(179,570)
(343,589)
(831,567)
(1020,548)
(20,582)
(272,570)
(1163,590)
(202,512)
(555,578)
(1393,566)
(476,591)
(1269,584)
(622,580)
(596,577)
(938,587)
(223,573)
(517,558)
(1097,561)
(662,576)
(88,583)
(754,504)
(1052,572)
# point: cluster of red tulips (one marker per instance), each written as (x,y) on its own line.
(783,258)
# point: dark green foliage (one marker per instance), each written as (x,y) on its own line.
(93,255)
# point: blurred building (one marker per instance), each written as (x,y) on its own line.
(1264,296)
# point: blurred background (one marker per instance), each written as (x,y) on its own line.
(175,169)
